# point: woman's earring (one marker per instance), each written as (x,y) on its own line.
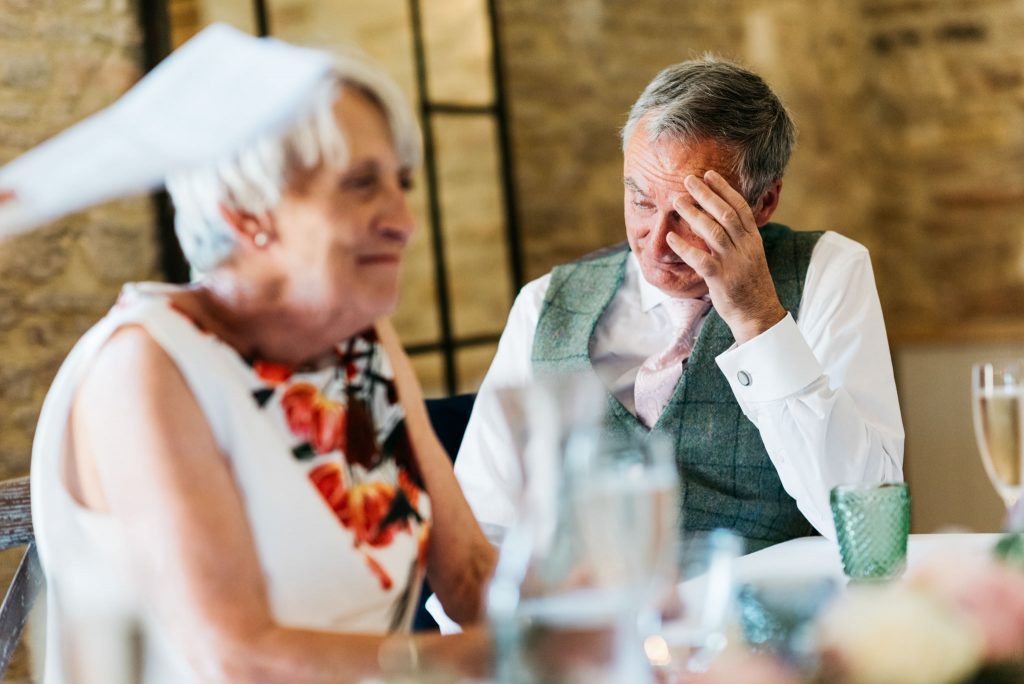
(260,239)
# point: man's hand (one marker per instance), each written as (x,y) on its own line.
(735,268)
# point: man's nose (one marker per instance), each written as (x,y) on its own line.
(668,222)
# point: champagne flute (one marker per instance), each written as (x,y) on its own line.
(997,399)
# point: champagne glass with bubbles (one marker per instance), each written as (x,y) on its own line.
(998,400)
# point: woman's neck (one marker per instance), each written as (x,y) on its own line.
(262,320)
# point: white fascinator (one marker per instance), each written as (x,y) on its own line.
(214,95)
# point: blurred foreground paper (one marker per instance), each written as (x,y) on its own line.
(219,91)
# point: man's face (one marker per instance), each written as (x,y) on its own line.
(653,174)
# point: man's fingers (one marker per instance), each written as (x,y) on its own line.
(706,265)
(704,226)
(714,204)
(716,182)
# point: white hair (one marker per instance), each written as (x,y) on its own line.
(254,179)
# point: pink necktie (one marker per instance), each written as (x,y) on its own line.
(658,376)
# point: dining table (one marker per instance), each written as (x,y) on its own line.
(819,557)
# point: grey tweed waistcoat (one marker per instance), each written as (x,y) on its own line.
(726,477)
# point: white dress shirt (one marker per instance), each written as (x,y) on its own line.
(820,389)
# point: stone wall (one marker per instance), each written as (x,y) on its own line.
(910,118)
(60,60)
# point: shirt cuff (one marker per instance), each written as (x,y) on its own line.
(772,366)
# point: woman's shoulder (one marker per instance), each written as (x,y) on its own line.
(155,311)
(146,342)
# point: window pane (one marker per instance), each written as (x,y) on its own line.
(417,318)
(457,40)
(378,28)
(429,369)
(471,364)
(473,217)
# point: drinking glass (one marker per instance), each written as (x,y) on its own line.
(690,637)
(626,502)
(592,545)
(539,591)
(778,616)
(872,526)
(996,398)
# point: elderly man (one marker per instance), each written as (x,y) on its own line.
(761,351)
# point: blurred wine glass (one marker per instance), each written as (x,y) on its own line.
(626,502)
(593,543)
(996,399)
(697,628)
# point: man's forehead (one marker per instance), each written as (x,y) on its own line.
(666,161)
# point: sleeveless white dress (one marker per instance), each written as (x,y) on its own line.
(332,495)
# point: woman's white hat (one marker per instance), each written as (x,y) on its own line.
(214,95)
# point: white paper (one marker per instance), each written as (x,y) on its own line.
(208,99)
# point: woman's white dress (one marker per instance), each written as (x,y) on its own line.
(320,457)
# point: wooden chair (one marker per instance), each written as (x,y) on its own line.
(16,530)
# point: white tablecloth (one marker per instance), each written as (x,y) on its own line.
(805,558)
(819,557)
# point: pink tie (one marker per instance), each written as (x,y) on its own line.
(658,376)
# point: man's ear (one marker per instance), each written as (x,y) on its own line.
(767,203)
(255,229)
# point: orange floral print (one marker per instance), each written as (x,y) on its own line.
(424,544)
(333,420)
(272,372)
(378,570)
(315,418)
(329,479)
(409,488)
(363,508)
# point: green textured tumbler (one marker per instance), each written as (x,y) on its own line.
(872,524)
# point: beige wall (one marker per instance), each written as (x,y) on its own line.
(947,481)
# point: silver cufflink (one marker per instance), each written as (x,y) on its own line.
(744,378)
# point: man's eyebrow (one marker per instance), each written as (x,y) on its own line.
(631,185)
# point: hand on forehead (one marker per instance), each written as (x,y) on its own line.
(658,168)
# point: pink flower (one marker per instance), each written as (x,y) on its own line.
(988,593)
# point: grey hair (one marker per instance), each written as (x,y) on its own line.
(254,179)
(713,99)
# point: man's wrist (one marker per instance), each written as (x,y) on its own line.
(752,327)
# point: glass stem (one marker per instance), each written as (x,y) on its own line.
(631,663)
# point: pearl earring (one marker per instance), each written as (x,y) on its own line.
(260,239)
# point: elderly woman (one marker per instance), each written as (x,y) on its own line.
(246,463)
